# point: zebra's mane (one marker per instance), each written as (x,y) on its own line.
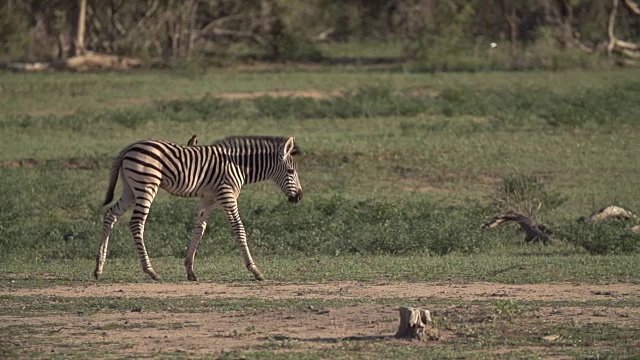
(247,139)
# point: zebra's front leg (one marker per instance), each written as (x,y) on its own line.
(231,211)
(204,209)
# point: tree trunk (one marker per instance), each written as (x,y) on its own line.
(193,11)
(266,17)
(611,26)
(512,22)
(267,28)
(78,12)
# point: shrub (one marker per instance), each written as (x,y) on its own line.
(545,53)
(602,238)
(66,226)
(525,194)
(336,225)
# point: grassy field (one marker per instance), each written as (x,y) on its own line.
(399,169)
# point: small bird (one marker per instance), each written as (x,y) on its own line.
(193,141)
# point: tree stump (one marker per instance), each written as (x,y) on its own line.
(413,324)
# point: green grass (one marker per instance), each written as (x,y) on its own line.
(399,173)
(389,169)
(361,50)
(523,264)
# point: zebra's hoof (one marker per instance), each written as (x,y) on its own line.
(260,277)
(97,275)
(192,277)
(155,276)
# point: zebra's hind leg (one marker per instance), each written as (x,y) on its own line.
(110,218)
(231,211)
(136,225)
(204,209)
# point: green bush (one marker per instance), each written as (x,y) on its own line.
(339,226)
(14,36)
(67,223)
(545,53)
(525,194)
(602,238)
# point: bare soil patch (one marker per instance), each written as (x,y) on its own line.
(239,95)
(346,290)
(245,95)
(71,163)
(25,163)
(312,94)
(133,334)
(213,333)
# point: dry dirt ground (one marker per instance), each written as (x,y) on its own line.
(236,95)
(144,333)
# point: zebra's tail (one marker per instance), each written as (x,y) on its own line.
(113,179)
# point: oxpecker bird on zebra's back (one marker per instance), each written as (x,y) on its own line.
(213,173)
(193,141)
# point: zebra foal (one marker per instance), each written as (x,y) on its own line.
(214,173)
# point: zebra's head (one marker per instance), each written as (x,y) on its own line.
(286,174)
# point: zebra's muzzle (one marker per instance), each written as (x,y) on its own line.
(294,199)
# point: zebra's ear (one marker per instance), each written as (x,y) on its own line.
(289,148)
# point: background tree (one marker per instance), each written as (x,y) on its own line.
(442,32)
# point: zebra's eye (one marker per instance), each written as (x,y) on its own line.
(290,171)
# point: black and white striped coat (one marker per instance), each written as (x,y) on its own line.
(214,173)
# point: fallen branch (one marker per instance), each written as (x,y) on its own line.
(85,62)
(324,35)
(533,231)
(632,6)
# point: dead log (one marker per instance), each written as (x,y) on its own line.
(86,62)
(415,324)
(613,212)
(533,231)
(92,61)
(29,67)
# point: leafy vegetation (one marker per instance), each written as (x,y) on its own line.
(609,237)
(401,166)
(526,195)
(603,105)
(392,169)
(453,36)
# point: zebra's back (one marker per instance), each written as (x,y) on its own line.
(180,170)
